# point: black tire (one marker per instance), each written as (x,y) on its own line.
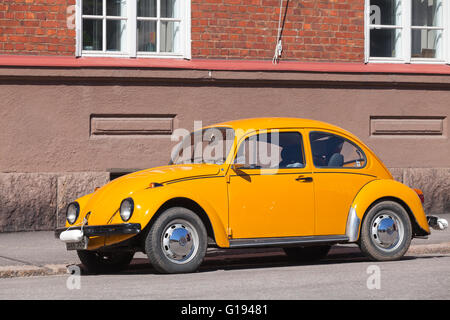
(192,244)
(398,234)
(104,262)
(307,254)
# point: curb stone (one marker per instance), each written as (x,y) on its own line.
(430,248)
(29,270)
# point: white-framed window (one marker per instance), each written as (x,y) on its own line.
(407,31)
(133,28)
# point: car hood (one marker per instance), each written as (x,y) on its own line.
(170,173)
(106,201)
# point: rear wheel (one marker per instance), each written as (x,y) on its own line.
(386,232)
(104,262)
(177,241)
(307,254)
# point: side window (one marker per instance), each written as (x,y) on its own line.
(332,151)
(271,150)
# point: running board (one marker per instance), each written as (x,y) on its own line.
(287,241)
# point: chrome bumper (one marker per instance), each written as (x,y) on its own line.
(437,223)
(104,230)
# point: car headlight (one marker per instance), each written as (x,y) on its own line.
(126,209)
(73,210)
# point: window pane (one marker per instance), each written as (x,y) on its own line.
(146,8)
(385,43)
(385,12)
(352,156)
(272,150)
(92,34)
(116,35)
(116,8)
(210,145)
(426,43)
(146,36)
(170,34)
(170,8)
(93,7)
(332,151)
(427,13)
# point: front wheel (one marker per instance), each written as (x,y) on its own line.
(386,232)
(177,241)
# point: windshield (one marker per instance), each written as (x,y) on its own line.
(210,145)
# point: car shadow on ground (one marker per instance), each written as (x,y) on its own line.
(251,260)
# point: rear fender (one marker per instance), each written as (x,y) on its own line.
(388,189)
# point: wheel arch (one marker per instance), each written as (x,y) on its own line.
(380,190)
(417,230)
(188,204)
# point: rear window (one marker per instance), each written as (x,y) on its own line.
(333,151)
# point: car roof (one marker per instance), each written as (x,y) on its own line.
(281,123)
(247,125)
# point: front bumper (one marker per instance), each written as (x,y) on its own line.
(104,230)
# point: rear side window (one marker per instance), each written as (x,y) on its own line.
(332,151)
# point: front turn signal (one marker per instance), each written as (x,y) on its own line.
(155,184)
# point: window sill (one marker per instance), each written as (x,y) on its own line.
(99,54)
(412,61)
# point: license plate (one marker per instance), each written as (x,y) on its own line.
(82,245)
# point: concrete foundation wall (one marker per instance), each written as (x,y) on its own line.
(63,131)
(37,201)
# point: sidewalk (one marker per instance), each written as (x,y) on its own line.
(40,253)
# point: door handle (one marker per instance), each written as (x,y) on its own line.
(304,179)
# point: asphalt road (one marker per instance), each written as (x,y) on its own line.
(256,276)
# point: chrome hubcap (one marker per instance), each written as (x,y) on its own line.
(387,231)
(179,241)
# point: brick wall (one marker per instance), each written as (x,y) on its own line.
(314,30)
(36,27)
(321,30)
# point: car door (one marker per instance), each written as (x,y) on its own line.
(339,172)
(270,187)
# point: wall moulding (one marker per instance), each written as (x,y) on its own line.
(407,126)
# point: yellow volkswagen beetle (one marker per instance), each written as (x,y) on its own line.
(301,185)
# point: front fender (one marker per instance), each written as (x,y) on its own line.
(379,189)
(147,203)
